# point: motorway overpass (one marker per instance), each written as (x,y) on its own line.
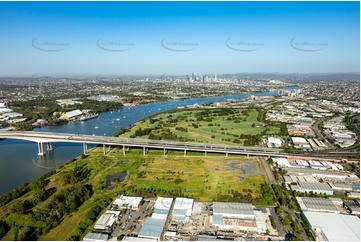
(48,138)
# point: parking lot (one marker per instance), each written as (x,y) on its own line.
(131,221)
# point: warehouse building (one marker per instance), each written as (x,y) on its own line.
(300,143)
(125,202)
(317,204)
(260,221)
(238,216)
(315,187)
(71,115)
(234,210)
(162,207)
(281,162)
(152,229)
(318,173)
(333,226)
(222,222)
(335,200)
(182,209)
(96,237)
(107,221)
(338,186)
(273,142)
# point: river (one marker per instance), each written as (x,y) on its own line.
(19,162)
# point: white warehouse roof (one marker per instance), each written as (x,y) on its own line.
(106,220)
(274,140)
(182,208)
(317,204)
(299,140)
(127,202)
(282,162)
(184,204)
(73,113)
(230,209)
(163,203)
(162,207)
(96,237)
(152,228)
(335,227)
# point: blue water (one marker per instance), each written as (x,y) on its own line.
(19,162)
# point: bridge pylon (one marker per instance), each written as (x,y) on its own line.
(40,149)
(85,148)
(49,146)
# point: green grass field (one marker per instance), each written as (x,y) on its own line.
(204,178)
(204,125)
(207,179)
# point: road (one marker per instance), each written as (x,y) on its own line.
(48,137)
(270,179)
(355,124)
(319,134)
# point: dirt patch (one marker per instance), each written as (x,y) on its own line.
(247,169)
(193,134)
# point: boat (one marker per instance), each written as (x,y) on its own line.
(96,127)
(88,116)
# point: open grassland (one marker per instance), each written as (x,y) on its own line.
(65,203)
(218,126)
(208,178)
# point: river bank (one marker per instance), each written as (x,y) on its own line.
(19,159)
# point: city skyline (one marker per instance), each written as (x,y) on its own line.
(175,38)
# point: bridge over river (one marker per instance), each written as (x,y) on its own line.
(107,141)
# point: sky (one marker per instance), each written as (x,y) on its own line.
(178,38)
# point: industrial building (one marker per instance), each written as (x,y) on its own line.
(152,229)
(71,115)
(301,143)
(333,226)
(307,178)
(317,204)
(285,163)
(234,210)
(96,237)
(106,222)
(162,207)
(273,142)
(238,216)
(300,130)
(281,162)
(315,187)
(320,173)
(260,221)
(182,209)
(222,222)
(338,186)
(125,202)
(68,102)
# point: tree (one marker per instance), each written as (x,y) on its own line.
(4,228)
(25,233)
(286,222)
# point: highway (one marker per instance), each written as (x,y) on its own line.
(48,137)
